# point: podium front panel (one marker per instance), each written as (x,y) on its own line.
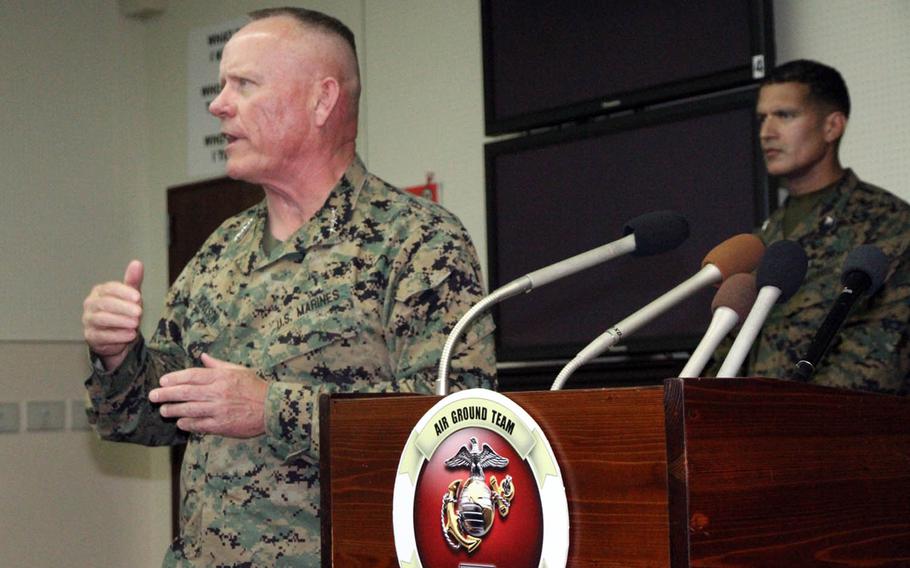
(609,443)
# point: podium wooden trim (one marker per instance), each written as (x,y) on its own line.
(699,472)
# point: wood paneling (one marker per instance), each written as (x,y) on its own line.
(609,445)
(778,473)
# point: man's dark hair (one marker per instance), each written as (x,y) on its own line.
(826,86)
(310,18)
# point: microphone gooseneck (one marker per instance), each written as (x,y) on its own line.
(736,293)
(740,253)
(779,276)
(730,306)
(648,234)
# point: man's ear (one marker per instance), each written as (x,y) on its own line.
(326,99)
(835,125)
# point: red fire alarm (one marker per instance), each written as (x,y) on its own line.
(429,190)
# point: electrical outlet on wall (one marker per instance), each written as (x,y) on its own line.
(9,416)
(45,415)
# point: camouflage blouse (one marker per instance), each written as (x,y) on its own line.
(872,350)
(361,298)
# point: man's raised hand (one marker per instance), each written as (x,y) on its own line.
(111,314)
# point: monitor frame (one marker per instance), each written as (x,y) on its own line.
(761,34)
(762,204)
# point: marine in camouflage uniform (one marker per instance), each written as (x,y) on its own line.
(802,110)
(361,299)
(872,350)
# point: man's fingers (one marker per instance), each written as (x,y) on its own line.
(113,290)
(192,376)
(180,393)
(226,402)
(110,320)
(133,275)
(111,338)
(118,305)
(111,315)
(186,409)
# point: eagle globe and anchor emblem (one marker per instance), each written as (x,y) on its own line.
(467,513)
(444,446)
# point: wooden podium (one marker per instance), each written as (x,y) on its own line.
(700,472)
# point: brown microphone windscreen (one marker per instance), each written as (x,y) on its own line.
(740,253)
(737,293)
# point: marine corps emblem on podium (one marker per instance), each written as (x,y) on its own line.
(473,482)
(468,505)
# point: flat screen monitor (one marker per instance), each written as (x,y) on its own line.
(551,196)
(549,62)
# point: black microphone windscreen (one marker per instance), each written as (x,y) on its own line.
(869,260)
(784,267)
(657,232)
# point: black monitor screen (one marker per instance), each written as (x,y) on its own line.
(547,62)
(554,195)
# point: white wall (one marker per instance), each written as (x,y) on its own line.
(869,43)
(71,157)
(67,498)
(72,165)
(93,113)
(424,101)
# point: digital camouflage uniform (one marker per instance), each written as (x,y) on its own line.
(871,351)
(361,298)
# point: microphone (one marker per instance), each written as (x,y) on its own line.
(779,277)
(740,253)
(645,235)
(730,306)
(864,271)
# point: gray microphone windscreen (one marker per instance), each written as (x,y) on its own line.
(869,260)
(784,267)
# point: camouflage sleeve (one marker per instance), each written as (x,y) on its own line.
(120,410)
(437,284)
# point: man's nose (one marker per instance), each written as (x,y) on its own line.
(221,106)
(767,129)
